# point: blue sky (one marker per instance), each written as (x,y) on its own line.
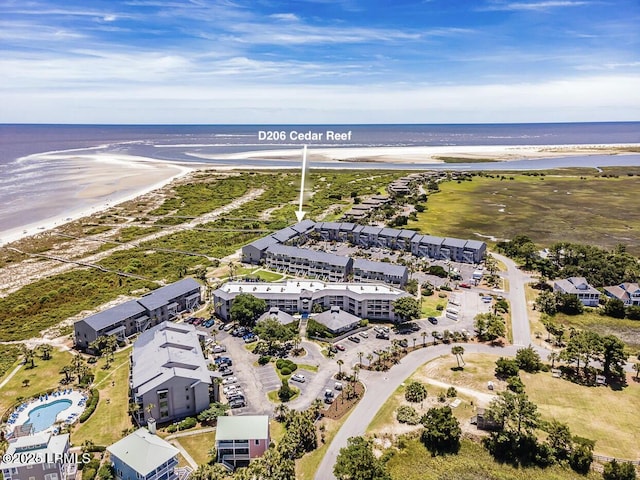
(319,61)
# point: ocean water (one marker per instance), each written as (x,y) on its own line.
(33,187)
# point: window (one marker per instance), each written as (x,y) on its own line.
(257,442)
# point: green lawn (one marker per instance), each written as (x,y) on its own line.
(268,276)
(505,208)
(473,462)
(610,417)
(198,445)
(44,376)
(428,304)
(111,417)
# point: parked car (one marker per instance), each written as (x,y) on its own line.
(404,343)
(340,347)
(217,348)
(296,377)
(229,380)
(414,327)
(250,337)
(433,320)
(354,339)
(227,327)
(221,360)
(237,403)
(338,386)
(230,389)
(209,323)
(235,397)
(378,329)
(382,335)
(226,372)
(364,334)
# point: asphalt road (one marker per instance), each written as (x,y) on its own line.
(379,386)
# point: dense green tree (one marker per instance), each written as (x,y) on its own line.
(489,326)
(214,411)
(415,392)
(568,303)
(356,461)
(46,349)
(515,412)
(272,331)
(581,457)
(613,355)
(441,432)
(515,384)
(300,436)
(633,312)
(272,465)
(582,347)
(285,392)
(546,303)
(216,471)
(528,359)
(614,308)
(559,439)
(619,471)
(506,367)
(246,309)
(406,308)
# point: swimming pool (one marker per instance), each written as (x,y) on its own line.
(43,416)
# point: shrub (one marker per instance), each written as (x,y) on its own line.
(452,392)
(415,392)
(173,428)
(439,307)
(446,288)
(408,415)
(92,403)
(280,363)
(506,368)
(187,423)
(264,359)
(285,393)
(285,371)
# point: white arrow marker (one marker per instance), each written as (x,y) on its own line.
(300,214)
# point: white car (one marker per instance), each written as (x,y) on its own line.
(218,348)
(230,389)
(364,334)
(296,377)
(230,380)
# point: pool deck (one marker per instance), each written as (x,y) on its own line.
(70,415)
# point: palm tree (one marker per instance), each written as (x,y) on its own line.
(232,270)
(281,412)
(424,338)
(149,408)
(77,363)
(636,367)
(434,334)
(297,340)
(29,355)
(458,351)
(340,362)
(553,356)
(26,382)
(356,371)
(67,370)
(370,357)
(360,355)
(414,342)
(316,406)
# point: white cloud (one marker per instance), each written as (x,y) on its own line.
(544,5)
(575,99)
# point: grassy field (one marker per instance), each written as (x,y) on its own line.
(627,330)
(111,417)
(198,445)
(610,417)
(473,462)
(428,304)
(45,375)
(504,208)
(8,357)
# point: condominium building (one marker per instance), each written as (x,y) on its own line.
(242,438)
(38,457)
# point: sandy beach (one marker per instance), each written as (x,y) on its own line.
(424,154)
(103,181)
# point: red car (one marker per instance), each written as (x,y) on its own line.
(340,347)
(464,285)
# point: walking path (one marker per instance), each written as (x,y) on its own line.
(11,375)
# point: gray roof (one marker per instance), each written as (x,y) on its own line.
(282,317)
(164,295)
(165,351)
(312,255)
(453,242)
(389,232)
(114,315)
(263,243)
(431,240)
(242,427)
(329,226)
(347,226)
(380,267)
(336,319)
(285,234)
(474,244)
(143,451)
(371,230)
(408,234)
(304,226)
(35,447)
(575,285)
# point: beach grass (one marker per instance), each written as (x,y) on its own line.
(8,359)
(574,205)
(415,462)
